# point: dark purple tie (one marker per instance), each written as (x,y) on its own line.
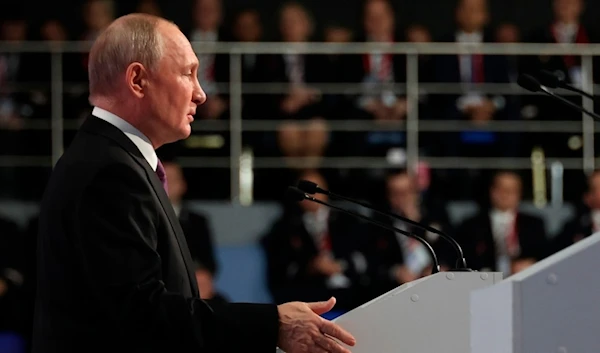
(160,171)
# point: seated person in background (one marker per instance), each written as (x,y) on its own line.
(586,223)
(503,238)
(394,258)
(375,74)
(312,253)
(11,277)
(474,106)
(197,233)
(304,133)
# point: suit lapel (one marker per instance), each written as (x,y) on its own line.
(99,126)
(173,220)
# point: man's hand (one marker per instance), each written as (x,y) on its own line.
(521,264)
(403,275)
(325,265)
(3,287)
(301,329)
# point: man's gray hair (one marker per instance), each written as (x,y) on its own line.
(131,38)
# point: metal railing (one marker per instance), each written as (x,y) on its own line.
(412,88)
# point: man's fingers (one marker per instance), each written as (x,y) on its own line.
(333,330)
(330,345)
(320,308)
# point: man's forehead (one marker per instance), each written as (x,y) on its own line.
(178,46)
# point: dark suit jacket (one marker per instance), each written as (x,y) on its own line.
(114,270)
(496,70)
(576,229)
(197,233)
(385,251)
(476,238)
(290,250)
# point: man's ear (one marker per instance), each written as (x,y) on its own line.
(137,79)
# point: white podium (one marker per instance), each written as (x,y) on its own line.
(430,314)
(551,307)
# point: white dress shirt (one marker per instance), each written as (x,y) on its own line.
(140,140)
(466,68)
(502,223)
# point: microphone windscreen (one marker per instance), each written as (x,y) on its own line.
(307,186)
(529,83)
(294,194)
(548,79)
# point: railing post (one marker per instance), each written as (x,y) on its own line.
(588,122)
(412,117)
(235,123)
(57,105)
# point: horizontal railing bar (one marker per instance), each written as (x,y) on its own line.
(434,48)
(365,125)
(329,88)
(332,162)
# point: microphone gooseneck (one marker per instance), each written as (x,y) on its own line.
(295,194)
(461,263)
(551,80)
(531,84)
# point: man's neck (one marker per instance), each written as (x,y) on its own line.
(113,107)
(567,22)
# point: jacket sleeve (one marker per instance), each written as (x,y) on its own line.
(116,234)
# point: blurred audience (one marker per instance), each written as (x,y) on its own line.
(586,222)
(503,238)
(314,253)
(394,258)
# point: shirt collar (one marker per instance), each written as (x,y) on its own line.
(136,136)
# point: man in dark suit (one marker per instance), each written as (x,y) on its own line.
(503,238)
(587,220)
(197,232)
(114,270)
(313,253)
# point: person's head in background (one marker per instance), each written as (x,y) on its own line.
(176,183)
(472,15)
(144,70)
(508,33)
(335,33)
(208,15)
(14,30)
(401,190)
(295,24)
(418,34)
(568,11)
(247,26)
(379,21)
(505,191)
(317,178)
(591,197)
(98,14)
(149,7)
(53,30)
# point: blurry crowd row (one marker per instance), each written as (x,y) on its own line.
(302,113)
(313,253)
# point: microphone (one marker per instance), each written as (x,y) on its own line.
(461,263)
(531,84)
(295,194)
(551,80)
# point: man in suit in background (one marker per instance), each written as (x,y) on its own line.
(114,270)
(503,238)
(197,233)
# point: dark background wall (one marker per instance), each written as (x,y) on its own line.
(437,15)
